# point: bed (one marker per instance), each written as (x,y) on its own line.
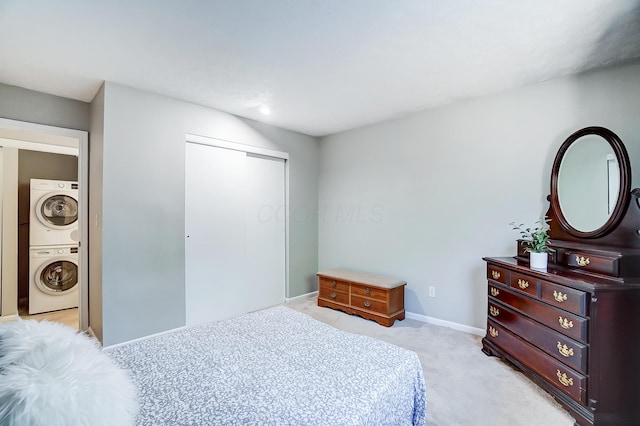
(273,367)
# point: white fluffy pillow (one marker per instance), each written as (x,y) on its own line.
(52,375)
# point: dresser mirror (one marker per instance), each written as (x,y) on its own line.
(590,183)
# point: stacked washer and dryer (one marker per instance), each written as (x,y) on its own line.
(53,245)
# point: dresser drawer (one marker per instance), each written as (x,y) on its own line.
(496,274)
(566,350)
(333,295)
(369,304)
(369,292)
(524,283)
(565,298)
(333,284)
(600,264)
(559,375)
(566,323)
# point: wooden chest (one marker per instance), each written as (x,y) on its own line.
(375,297)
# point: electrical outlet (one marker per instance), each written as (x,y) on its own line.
(432,292)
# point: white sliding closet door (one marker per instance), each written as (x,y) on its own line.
(235,227)
(265,231)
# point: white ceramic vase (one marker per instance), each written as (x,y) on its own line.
(538,260)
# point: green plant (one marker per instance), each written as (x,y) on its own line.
(536,237)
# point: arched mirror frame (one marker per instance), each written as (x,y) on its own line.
(624,192)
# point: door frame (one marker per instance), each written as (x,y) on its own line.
(21,132)
(251,149)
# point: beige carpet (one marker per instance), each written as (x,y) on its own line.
(464,386)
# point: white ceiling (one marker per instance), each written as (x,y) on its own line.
(323,66)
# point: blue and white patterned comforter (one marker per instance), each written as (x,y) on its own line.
(273,367)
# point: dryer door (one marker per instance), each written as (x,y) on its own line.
(57,277)
(57,210)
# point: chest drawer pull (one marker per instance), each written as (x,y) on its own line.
(565,323)
(494,311)
(582,261)
(495,274)
(333,295)
(494,291)
(523,284)
(367,304)
(367,290)
(559,296)
(333,283)
(564,350)
(493,332)
(562,378)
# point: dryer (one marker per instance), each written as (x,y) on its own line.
(53,217)
(53,278)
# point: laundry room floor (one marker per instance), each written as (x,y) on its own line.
(66,316)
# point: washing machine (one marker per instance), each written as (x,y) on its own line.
(53,278)
(53,218)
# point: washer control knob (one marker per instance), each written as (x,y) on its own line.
(60,251)
(61,185)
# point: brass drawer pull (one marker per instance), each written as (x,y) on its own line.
(367,290)
(494,311)
(564,350)
(559,296)
(495,274)
(494,291)
(565,323)
(333,283)
(582,261)
(493,332)
(367,304)
(333,295)
(562,378)
(523,284)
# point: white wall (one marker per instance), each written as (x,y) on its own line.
(142,227)
(425,197)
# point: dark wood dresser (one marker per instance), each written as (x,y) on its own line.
(575,336)
(573,328)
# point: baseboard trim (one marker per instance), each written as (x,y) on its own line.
(140,339)
(9,318)
(411,315)
(301,297)
(448,324)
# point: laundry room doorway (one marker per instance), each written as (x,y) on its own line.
(43,223)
